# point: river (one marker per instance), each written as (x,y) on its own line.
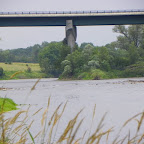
(120,98)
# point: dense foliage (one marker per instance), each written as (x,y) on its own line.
(50,58)
(122,58)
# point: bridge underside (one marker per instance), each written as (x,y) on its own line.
(77,20)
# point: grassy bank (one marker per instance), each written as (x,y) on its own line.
(7,104)
(26,71)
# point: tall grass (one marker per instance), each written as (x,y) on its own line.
(18,131)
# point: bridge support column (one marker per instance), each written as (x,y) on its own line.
(71,34)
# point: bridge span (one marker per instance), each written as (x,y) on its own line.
(71,19)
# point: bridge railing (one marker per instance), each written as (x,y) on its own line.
(71,12)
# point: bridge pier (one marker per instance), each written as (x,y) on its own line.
(71,34)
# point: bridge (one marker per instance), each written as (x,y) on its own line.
(71,19)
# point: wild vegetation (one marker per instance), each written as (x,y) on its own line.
(122,58)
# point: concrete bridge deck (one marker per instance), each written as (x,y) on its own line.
(79,18)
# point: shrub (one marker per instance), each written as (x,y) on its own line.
(1,71)
(135,70)
(29,70)
(94,74)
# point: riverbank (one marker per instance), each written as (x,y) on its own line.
(33,71)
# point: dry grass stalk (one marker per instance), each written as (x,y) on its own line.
(109,131)
(22,140)
(69,127)
(141,138)
(51,130)
(37,134)
(131,119)
(77,141)
(56,118)
(16,73)
(83,136)
(76,130)
(122,140)
(94,111)
(35,84)
(140,122)
(60,115)
(13,120)
(100,125)
(52,117)
(99,136)
(44,121)
(18,128)
(72,128)
(44,116)
(45,113)
(98,141)
(37,112)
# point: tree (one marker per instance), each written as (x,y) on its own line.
(76,60)
(131,34)
(50,58)
(104,57)
(84,44)
(133,54)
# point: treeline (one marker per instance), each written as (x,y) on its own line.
(122,58)
(27,55)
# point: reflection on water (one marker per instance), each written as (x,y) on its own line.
(121,98)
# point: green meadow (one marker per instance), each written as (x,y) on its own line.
(21,71)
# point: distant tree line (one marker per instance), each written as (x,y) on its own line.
(122,58)
(27,55)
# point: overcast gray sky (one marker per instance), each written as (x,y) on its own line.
(24,37)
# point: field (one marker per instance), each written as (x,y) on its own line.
(23,70)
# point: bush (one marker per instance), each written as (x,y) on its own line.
(1,71)
(135,70)
(94,74)
(29,70)
(67,71)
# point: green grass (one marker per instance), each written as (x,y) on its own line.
(10,69)
(7,104)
